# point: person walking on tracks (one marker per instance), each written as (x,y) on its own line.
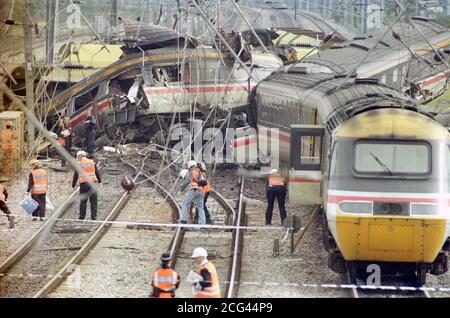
(38,186)
(7,144)
(64,137)
(208,286)
(193,177)
(90,135)
(86,190)
(275,188)
(4,207)
(165,280)
(206,190)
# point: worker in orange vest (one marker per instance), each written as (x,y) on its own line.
(4,207)
(275,188)
(206,190)
(64,133)
(7,143)
(193,178)
(208,286)
(86,190)
(38,186)
(165,280)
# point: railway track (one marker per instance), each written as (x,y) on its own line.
(224,249)
(100,247)
(391,291)
(93,255)
(35,262)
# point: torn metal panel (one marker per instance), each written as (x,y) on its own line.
(148,36)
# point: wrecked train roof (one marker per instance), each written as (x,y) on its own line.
(137,35)
(128,63)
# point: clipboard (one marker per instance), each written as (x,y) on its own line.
(192,277)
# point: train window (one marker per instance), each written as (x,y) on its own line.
(309,150)
(395,76)
(334,159)
(84,99)
(205,71)
(392,158)
(306,147)
(171,74)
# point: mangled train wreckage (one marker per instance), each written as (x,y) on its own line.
(162,73)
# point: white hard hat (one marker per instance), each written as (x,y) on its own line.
(273,171)
(81,154)
(183,173)
(191,164)
(199,251)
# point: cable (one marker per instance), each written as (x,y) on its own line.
(6,29)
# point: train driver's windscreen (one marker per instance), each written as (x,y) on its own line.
(392,158)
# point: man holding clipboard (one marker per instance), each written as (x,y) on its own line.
(204,278)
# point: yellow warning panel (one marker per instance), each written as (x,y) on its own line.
(390,239)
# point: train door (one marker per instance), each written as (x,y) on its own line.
(305,164)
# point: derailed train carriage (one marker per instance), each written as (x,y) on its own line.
(162,73)
(377,165)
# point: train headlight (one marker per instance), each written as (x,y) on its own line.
(425,208)
(356,207)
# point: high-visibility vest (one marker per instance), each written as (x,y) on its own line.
(207,188)
(40,181)
(165,279)
(195,179)
(7,137)
(88,167)
(62,139)
(276,180)
(212,291)
(2,194)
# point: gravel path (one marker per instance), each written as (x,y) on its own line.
(122,263)
(59,189)
(125,258)
(60,244)
(308,265)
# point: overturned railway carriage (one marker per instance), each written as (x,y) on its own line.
(161,82)
(379,167)
(161,73)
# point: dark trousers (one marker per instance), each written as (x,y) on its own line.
(4,208)
(86,192)
(68,147)
(90,150)
(207,216)
(280,194)
(40,199)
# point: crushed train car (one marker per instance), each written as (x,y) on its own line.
(159,74)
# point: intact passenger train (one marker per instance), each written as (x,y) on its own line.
(377,165)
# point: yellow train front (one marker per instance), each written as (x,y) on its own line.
(386,194)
